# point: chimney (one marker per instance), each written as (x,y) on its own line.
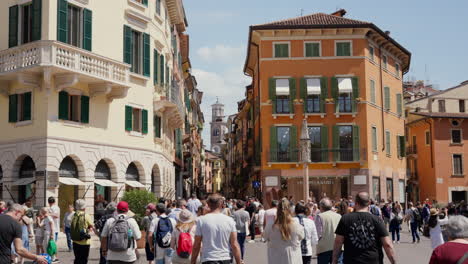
(339,13)
(387,33)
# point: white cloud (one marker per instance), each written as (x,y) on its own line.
(222,54)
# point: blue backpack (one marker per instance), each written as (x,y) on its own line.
(163,232)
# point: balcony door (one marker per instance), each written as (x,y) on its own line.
(346,143)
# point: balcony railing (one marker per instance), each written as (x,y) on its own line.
(411,150)
(173,95)
(63,58)
(319,155)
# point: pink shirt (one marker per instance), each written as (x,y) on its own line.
(270,216)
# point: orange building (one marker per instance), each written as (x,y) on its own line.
(345,77)
(436,150)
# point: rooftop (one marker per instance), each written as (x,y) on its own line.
(442,115)
(315,19)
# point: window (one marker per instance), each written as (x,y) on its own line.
(399,104)
(73,107)
(137,60)
(384,61)
(401,187)
(282,104)
(442,106)
(136,119)
(283,137)
(143,2)
(371,53)
(312,89)
(216,132)
(376,188)
(457,164)
(281,50)
(282,91)
(461,105)
(158,7)
(312,49)
(345,143)
(157,126)
(388,143)
(456,136)
(316,143)
(26,28)
(389,189)
(74,26)
(387,98)
(343,48)
(372,91)
(313,103)
(428,138)
(397,69)
(137,51)
(374,139)
(20,107)
(345,89)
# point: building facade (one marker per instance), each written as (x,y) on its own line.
(91,101)
(435,146)
(344,77)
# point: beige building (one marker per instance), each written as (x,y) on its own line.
(91,98)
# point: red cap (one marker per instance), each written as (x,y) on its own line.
(151,207)
(122,206)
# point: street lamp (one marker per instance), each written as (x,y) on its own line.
(305,157)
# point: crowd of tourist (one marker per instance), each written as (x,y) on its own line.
(215,230)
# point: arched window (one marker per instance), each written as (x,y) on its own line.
(27,168)
(216,132)
(102,171)
(132,173)
(68,168)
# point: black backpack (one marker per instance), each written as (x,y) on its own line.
(416,215)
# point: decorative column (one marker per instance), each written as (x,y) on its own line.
(305,157)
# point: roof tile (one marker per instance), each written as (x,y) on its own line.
(316,19)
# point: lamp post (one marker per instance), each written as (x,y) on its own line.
(305,157)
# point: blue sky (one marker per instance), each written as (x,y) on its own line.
(434,31)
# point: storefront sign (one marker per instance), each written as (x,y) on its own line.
(360,179)
(321,182)
(271,181)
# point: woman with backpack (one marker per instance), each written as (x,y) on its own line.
(395,224)
(183,238)
(433,228)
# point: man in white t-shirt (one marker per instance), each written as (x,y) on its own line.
(193,204)
(54,212)
(119,257)
(270,214)
(161,255)
(216,235)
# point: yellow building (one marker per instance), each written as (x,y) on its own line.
(91,98)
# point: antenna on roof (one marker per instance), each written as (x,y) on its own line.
(302,12)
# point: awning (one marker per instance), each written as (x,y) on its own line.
(105,183)
(24,181)
(134,184)
(71,181)
(345,85)
(313,86)
(282,87)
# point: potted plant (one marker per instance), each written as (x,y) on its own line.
(137,201)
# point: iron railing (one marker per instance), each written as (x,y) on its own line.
(319,155)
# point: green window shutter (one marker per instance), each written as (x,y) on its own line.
(292,94)
(323,93)
(87,29)
(372,91)
(303,92)
(398,146)
(339,49)
(387,98)
(27,105)
(334,92)
(145,2)
(402,141)
(36,19)
(399,104)
(13,108)
(62,21)
(155,66)
(356,144)
(324,143)
(13,27)
(146,54)
(336,143)
(157,126)
(277,51)
(128,53)
(273,144)
(63,105)
(308,50)
(144,121)
(128,118)
(387,143)
(272,93)
(374,139)
(84,109)
(312,49)
(293,143)
(355,84)
(158,7)
(161,70)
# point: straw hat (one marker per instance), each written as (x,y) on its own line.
(185,216)
(433,211)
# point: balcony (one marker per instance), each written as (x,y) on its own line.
(45,59)
(171,105)
(319,155)
(411,151)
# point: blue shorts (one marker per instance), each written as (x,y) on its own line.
(149,253)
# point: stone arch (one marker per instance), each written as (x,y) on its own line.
(19,162)
(112,168)
(138,166)
(156,180)
(71,160)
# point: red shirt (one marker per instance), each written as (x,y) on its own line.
(449,253)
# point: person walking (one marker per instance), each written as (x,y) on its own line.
(363,235)
(183,237)
(252,210)
(310,233)
(80,227)
(181,204)
(284,237)
(270,214)
(260,219)
(455,251)
(39,232)
(27,233)
(326,222)
(49,230)
(160,232)
(413,217)
(109,212)
(215,236)
(150,214)
(67,218)
(11,233)
(54,212)
(193,204)
(242,219)
(435,231)
(395,225)
(120,247)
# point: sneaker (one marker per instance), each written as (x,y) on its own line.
(393,241)
(398,242)
(251,241)
(414,242)
(55,261)
(419,240)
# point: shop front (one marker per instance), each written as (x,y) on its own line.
(132,177)
(102,188)
(333,187)
(68,184)
(26,183)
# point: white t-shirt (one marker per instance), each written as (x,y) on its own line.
(261,217)
(215,230)
(54,209)
(270,216)
(125,256)
(160,252)
(47,222)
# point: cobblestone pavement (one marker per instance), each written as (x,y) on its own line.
(256,253)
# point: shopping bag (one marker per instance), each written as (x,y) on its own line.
(51,248)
